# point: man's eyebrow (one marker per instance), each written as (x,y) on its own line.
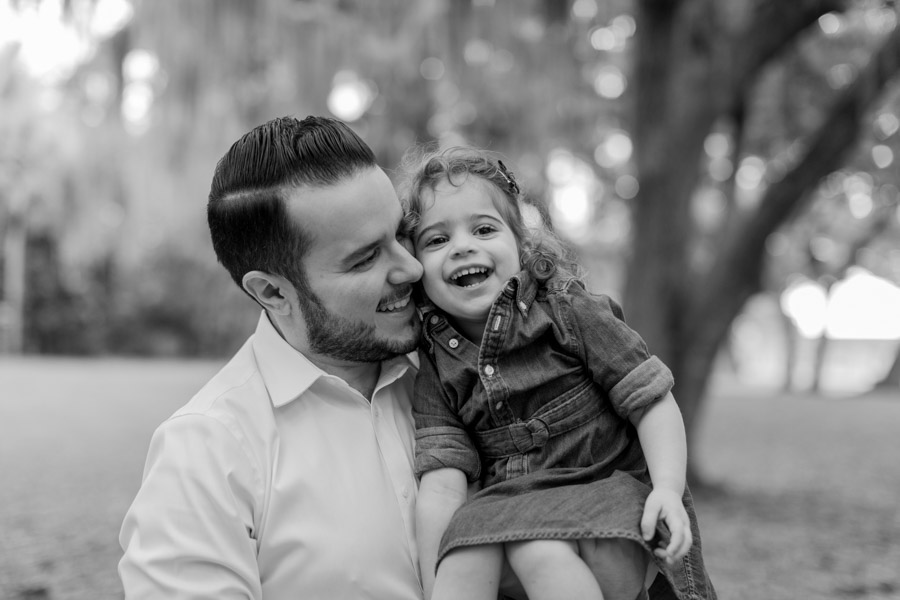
(360,253)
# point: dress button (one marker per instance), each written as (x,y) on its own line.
(453,343)
(523,306)
(434,319)
(489,371)
(498,406)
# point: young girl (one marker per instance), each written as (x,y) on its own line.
(537,392)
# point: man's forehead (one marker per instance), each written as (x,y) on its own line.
(349,215)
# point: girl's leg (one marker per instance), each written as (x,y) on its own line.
(470,572)
(620,566)
(552,569)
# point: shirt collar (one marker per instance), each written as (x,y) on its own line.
(287,373)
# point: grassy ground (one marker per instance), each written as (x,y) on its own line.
(810,507)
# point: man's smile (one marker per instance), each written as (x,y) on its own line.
(394,305)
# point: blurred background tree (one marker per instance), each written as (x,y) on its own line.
(700,154)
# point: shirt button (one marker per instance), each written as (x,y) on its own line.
(498,406)
(453,343)
(434,319)
(523,306)
(489,371)
(377,413)
(404,492)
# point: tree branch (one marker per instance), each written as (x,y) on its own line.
(775,25)
(742,257)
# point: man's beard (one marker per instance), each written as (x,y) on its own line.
(337,337)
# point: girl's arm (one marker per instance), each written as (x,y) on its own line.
(441,492)
(661,433)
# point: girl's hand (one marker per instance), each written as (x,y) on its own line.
(665,505)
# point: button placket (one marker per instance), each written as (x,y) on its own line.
(489,353)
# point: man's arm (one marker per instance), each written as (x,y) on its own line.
(441,492)
(188,534)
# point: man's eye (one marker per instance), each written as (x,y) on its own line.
(368,260)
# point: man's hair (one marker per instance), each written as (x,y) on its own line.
(247,212)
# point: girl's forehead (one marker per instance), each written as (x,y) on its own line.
(477,196)
(461,188)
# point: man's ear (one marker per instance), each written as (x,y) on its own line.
(273,292)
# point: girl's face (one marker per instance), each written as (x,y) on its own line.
(467,250)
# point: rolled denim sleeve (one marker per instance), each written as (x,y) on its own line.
(616,355)
(441,437)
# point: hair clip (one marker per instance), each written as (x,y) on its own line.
(510,179)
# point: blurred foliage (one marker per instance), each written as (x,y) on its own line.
(106,163)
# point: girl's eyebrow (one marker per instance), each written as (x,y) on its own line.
(423,231)
(443,224)
(491,217)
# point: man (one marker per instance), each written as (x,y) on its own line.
(289,475)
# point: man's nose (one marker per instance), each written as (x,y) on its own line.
(406,269)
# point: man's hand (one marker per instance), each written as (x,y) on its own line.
(665,505)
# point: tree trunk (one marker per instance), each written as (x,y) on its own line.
(687,76)
(12,319)
(892,379)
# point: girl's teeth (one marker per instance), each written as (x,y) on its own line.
(469,272)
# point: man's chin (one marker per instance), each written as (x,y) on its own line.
(404,334)
(409,342)
(356,341)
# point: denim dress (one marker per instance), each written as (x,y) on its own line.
(538,415)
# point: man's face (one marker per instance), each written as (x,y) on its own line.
(358,270)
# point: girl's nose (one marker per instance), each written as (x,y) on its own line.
(462,245)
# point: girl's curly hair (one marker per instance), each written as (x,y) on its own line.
(541,252)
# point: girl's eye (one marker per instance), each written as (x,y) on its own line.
(435,240)
(485,229)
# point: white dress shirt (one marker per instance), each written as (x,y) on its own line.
(279,481)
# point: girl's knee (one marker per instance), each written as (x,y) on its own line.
(469,572)
(488,556)
(620,553)
(619,565)
(540,554)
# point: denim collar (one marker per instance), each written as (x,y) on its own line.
(522,288)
